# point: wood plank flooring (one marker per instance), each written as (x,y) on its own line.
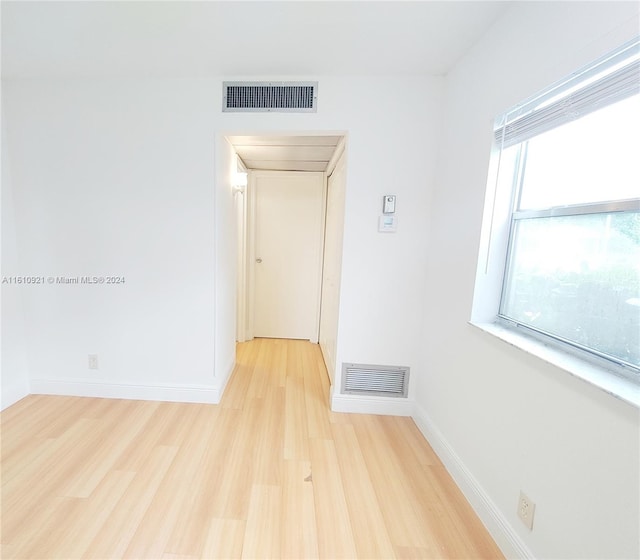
(270,472)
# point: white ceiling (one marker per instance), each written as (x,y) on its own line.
(237,38)
(112,38)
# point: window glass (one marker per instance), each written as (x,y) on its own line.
(569,161)
(578,278)
(593,159)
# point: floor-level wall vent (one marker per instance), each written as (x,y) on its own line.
(386,381)
(286,97)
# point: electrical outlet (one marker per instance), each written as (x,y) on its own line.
(93,361)
(526,509)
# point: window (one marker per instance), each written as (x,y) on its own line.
(571,160)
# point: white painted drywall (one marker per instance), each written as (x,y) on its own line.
(124,177)
(14,364)
(511,420)
(386,134)
(128,177)
(382,285)
(116,178)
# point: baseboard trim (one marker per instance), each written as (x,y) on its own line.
(11,395)
(225,380)
(502,532)
(167,393)
(362,404)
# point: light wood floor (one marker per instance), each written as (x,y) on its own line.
(270,472)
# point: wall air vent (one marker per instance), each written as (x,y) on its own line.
(386,381)
(282,97)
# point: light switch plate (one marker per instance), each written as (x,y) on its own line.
(387,224)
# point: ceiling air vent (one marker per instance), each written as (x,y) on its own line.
(386,381)
(284,97)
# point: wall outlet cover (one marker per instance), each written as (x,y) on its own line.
(526,509)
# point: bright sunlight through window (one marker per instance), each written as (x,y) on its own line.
(573,263)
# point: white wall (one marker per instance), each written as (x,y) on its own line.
(129,177)
(116,178)
(392,150)
(14,366)
(502,419)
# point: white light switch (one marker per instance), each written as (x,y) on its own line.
(387,224)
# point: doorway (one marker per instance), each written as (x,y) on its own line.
(289,157)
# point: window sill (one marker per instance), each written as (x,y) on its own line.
(608,381)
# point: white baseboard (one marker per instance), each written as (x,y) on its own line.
(11,394)
(363,404)
(224,380)
(502,532)
(81,388)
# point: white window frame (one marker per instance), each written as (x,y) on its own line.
(535,116)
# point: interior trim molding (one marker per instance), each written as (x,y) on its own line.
(493,519)
(364,404)
(11,394)
(167,393)
(225,380)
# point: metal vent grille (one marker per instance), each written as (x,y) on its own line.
(292,97)
(387,381)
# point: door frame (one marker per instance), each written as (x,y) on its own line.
(244,217)
(241,206)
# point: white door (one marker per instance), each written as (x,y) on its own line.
(289,224)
